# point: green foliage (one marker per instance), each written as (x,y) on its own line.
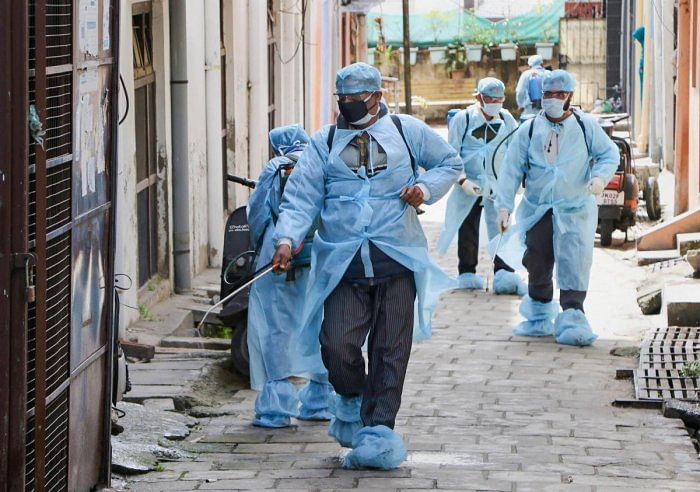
(691,370)
(437,21)
(145,313)
(455,58)
(477,33)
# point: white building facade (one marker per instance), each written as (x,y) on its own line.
(203,83)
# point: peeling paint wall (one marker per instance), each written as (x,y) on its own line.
(126,258)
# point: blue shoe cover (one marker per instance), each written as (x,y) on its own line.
(345,418)
(505,282)
(539,316)
(376,447)
(470,281)
(572,328)
(276,404)
(314,401)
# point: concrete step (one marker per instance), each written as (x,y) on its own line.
(681,301)
(663,235)
(688,241)
(649,257)
(161,320)
(196,343)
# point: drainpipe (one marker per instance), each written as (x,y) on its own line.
(181,185)
(215,195)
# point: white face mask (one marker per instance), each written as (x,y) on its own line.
(491,109)
(553,107)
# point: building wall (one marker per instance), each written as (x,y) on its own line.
(687,158)
(584,43)
(305,55)
(694,109)
(126,257)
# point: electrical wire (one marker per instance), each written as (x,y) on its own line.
(300,35)
(126,96)
(661,19)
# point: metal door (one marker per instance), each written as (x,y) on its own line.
(60,185)
(13,245)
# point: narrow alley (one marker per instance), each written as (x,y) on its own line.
(482,410)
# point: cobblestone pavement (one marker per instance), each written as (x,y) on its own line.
(482,410)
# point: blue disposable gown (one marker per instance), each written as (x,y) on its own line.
(561,187)
(275,306)
(476,157)
(355,209)
(522,90)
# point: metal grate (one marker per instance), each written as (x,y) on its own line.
(661,358)
(32,34)
(59,111)
(58,196)
(29,456)
(59,32)
(31,356)
(58,262)
(56,474)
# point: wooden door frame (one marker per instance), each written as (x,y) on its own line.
(14,156)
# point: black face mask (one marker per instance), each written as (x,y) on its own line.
(355,112)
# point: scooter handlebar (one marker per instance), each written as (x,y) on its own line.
(243,181)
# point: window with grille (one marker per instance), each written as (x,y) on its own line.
(145,138)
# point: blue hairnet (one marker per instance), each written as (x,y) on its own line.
(491,87)
(358,78)
(285,139)
(535,61)
(559,81)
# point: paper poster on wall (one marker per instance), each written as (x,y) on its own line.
(88,33)
(105,24)
(88,84)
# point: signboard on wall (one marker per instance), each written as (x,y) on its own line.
(584,10)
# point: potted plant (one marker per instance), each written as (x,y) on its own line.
(478,37)
(508,51)
(545,48)
(437,55)
(509,47)
(455,58)
(474,52)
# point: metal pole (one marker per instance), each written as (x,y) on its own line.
(406,58)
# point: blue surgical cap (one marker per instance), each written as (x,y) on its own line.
(358,78)
(559,81)
(535,61)
(288,138)
(491,87)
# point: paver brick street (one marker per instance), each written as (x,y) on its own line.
(482,410)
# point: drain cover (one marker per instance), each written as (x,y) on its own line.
(662,355)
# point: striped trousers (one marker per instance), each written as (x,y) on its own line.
(382,314)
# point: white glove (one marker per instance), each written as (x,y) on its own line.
(471,189)
(502,220)
(596,186)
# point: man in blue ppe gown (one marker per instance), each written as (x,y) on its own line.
(528,92)
(275,307)
(370,261)
(565,158)
(478,133)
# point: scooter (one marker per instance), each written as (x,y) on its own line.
(617,205)
(237,267)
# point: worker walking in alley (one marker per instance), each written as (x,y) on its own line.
(478,134)
(565,158)
(528,92)
(371,262)
(275,307)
